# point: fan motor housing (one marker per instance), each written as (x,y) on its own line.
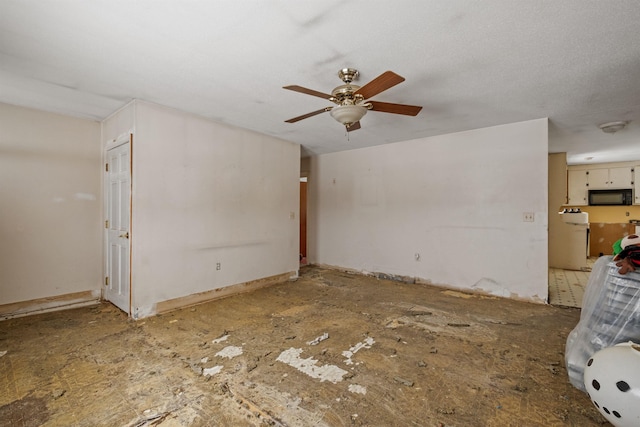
(344,94)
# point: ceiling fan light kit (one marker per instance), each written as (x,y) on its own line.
(351,100)
(348,114)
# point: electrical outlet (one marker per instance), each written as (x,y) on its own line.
(218,266)
(528,217)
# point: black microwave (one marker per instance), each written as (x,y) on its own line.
(610,197)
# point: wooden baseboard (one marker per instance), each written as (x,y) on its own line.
(202,297)
(44,305)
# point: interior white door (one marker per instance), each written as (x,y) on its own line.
(118,287)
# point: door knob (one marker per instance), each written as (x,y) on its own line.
(125,235)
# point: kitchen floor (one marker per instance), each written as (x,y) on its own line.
(329,349)
(566,287)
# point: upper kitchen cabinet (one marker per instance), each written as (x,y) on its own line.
(603,176)
(578,185)
(617,177)
(636,185)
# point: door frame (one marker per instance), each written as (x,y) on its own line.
(302,218)
(125,138)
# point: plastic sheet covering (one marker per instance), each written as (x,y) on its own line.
(610,315)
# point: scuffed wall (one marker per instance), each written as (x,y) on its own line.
(447,210)
(50,209)
(213,206)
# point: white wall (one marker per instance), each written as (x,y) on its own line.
(117,127)
(50,205)
(457,200)
(206,193)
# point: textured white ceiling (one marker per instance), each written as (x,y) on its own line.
(469,63)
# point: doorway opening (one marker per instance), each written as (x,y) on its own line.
(303,220)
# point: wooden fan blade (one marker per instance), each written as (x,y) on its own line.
(306,116)
(383,82)
(301,89)
(354,126)
(386,107)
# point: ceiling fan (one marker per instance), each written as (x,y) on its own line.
(352,101)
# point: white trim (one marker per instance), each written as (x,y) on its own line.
(123,138)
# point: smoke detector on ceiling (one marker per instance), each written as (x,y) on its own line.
(612,127)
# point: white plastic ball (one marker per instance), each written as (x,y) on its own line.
(612,379)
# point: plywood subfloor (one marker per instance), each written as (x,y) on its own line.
(330,349)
